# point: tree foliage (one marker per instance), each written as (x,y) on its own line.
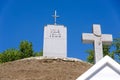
(116,45)
(90,57)
(25,50)
(39,53)
(106,51)
(10,55)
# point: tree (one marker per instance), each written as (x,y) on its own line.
(39,53)
(106,51)
(0,57)
(116,44)
(10,55)
(26,49)
(90,57)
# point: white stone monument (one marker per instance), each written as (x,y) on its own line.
(105,69)
(55,40)
(98,39)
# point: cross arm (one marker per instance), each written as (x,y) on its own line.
(107,39)
(87,38)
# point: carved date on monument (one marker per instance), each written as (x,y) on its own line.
(55,33)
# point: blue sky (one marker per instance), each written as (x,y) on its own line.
(25,20)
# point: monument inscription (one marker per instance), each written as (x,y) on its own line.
(55,33)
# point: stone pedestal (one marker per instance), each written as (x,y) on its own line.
(55,41)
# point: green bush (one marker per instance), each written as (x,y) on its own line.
(0,57)
(10,55)
(39,53)
(26,49)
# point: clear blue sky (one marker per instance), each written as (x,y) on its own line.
(25,20)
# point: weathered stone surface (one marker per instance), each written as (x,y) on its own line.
(98,39)
(55,41)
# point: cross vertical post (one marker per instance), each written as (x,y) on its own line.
(55,17)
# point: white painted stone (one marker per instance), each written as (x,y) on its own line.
(96,30)
(98,39)
(105,69)
(55,41)
(62,58)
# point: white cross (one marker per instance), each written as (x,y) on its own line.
(98,39)
(55,17)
